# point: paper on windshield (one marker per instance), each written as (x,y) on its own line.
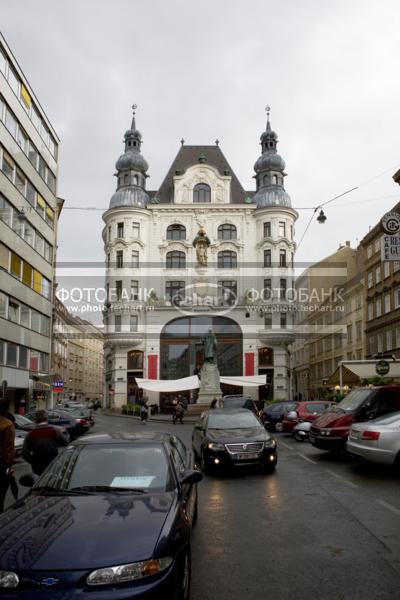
(138,481)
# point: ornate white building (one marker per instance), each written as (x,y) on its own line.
(162,298)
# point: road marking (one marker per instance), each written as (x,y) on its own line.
(393,509)
(342,479)
(287,446)
(306,458)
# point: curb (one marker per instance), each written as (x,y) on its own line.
(150,419)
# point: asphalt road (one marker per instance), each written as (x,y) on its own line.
(318,527)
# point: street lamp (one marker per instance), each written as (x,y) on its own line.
(321,217)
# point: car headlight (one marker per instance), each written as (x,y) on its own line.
(270,444)
(130,572)
(326,431)
(8,579)
(215,446)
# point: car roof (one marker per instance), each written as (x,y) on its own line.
(228,411)
(123,438)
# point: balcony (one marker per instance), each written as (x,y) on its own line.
(277,337)
(121,338)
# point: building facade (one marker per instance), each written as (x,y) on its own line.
(382,296)
(198,253)
(29,211)
(78,357)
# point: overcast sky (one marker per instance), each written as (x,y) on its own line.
(206,70)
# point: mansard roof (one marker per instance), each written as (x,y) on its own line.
(188,156)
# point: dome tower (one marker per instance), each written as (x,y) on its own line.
(131,171)
(270,171)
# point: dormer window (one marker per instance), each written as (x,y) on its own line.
(201,193)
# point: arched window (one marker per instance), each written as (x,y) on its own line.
(226,231)
(176,232)
(176,260)
(201,193)
(227,259)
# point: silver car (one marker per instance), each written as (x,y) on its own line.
(377,441)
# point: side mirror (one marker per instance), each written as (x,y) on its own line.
(191,477)
(292,415)
(28,480)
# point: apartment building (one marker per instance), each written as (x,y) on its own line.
(29,210)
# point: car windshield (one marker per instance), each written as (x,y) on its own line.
(21,421)
(353,400)
(282,406)
(391,419)
(232,420)
(235,402)
(316,408)
(109,467)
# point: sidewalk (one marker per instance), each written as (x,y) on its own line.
(151,419)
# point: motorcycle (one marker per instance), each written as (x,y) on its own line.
(301,431)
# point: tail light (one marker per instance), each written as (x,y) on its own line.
(370,435)
(81,422)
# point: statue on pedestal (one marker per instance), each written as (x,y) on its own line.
(209,342)
(201,242)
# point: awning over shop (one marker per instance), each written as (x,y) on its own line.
(192,383)
(354,371)
(349,378)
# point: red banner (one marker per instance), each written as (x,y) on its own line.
(152,366)
(249,363)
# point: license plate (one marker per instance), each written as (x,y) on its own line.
(245,455)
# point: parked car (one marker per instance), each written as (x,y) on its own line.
(377,441)
(22,423)
(331,430)
(239,401)
(83,412)
(272,414)
(19,441)
(232,438)
(138,489)
(75,425)
(303,411)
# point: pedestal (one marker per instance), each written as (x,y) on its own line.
(209,384)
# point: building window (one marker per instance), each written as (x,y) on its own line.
(282,229)
(201,193)
(267,229)
(176,232)
(120,259)
(135,259)
(397,298)
(226,231)
(268,321)
(282,289)
(23,357)
(370,311)
(136,230)
(389,340)
(176,260)
(282,258)
(291,232)
(227,292)
(118,323)
(109,232)
(175,291)
(267,258)
(120,230)
(358,330)
(283,320)
(118,289)
(227,259)
(369,251)
(134,289)
(369,280)
(349,334)
(386,269)
(387,303)
(12,350)
(8,166)
(378,274)
(13,311)
(377,245)
(379,338)
(378,307)
(133,323)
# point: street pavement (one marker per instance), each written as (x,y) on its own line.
(319,527)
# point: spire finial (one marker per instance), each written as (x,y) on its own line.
(134,107)
(182,141)
(268,110)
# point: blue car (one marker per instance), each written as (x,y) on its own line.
(109,519)
(272,414)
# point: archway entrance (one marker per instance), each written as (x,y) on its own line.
(134,369)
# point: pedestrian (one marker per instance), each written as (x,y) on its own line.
(179,410)
(214,403)
(41,443)
(7,437)
(143,412)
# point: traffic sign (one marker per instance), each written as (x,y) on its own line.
(382,367)
(391,223)
(58,386)
(390,247)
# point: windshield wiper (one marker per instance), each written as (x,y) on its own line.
(48,489)
(106,488)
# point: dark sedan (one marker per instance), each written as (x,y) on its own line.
(74,424)
(109,519)
(232,438)
(272,414)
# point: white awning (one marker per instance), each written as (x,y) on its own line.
(192,383)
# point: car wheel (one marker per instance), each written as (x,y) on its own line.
(279,426)
(182,587)
(298,437)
